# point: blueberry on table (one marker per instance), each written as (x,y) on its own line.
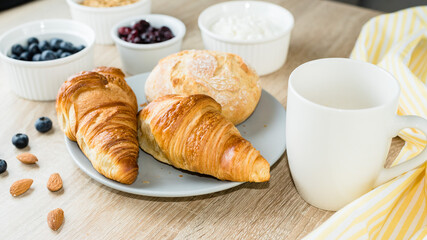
(55,43)
(25,56)
(20,140)
(66,46)
(48,55)
(44,45)
(17,49)
(43,124)
(36,57)
(3,166)
(34,49)
(32,40)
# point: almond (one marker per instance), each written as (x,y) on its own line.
(54,183)
(20,186)
(55,218)
(27,158)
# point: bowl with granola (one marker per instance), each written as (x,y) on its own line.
(102,15)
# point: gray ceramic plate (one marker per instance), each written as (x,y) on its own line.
(265,129)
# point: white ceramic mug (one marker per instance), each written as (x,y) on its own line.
(341,117)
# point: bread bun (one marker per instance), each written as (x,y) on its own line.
(223,76)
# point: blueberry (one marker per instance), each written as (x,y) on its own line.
(32,40)
(3,166)
(17,49)
(58,53)
(48,55)
(141,26)
(14,56)
(55,43)
(124,31)
(20,140)
(34,49)
(44,45)
(25,56)
(43,124)
(78,49)
(165,29)
(147,37)
(65,54)
(132,35)
(66,46)
(36,57)
(167,35)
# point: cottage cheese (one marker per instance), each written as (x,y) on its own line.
(248,27)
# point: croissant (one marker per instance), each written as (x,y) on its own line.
(98,110)
(189,132)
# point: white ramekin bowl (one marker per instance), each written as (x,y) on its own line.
(140,58)
(102,19)
(266,55)
(41,80)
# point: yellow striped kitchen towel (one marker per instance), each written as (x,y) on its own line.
(397,209)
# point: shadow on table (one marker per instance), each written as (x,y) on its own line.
(253,186)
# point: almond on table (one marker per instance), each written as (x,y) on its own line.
(21,186)
(54,183)
(55,218)
(27,158)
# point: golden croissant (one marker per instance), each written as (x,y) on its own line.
(189,132)
(98,110)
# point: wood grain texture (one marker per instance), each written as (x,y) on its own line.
(270,210)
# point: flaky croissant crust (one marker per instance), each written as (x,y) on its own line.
(190,133)
(98,110)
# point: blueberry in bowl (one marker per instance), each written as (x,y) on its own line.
(55,43)
(17,49)
(44,50)
(143,40)
(142,32)
(39,74)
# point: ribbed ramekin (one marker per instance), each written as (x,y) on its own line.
(101,20)
(41,80)
(140,58)
(265,55)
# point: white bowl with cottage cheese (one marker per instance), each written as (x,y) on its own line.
(257,31)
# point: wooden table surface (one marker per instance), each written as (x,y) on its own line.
(272,210)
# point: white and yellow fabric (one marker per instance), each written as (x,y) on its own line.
(397,209)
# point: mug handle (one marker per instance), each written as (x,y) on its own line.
(402,122)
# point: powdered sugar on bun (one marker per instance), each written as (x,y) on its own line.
(223,76)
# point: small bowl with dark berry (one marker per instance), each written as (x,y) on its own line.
(142,41)
(39,56)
